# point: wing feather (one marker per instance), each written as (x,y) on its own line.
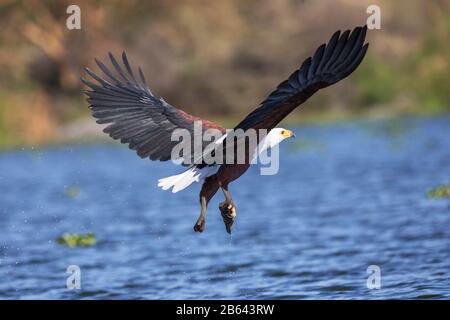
(330,63)
(133,114)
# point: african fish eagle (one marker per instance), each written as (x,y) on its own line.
(138,118)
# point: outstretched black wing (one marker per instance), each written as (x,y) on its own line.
(331,62)
(135,115)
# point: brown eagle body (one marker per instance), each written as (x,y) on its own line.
(137,118)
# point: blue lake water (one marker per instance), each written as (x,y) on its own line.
(347,196)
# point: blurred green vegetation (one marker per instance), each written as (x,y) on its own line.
(422,77)
(442,191)
(377,83)
(73,240)
(432,83)
(215,59)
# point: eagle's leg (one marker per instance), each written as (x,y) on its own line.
(227,209)
(200,224)
(209,189)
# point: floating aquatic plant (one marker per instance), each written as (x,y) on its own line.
(442,191)
(73,240)
(71,191)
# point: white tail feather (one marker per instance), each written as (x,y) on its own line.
(186,178)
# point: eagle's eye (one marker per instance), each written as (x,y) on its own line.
(283,132)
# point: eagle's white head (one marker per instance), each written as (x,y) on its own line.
(276,135)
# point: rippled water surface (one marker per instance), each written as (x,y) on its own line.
(347,196)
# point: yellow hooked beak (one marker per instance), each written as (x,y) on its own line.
(287,134)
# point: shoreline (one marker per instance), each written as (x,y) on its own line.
(86,131)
